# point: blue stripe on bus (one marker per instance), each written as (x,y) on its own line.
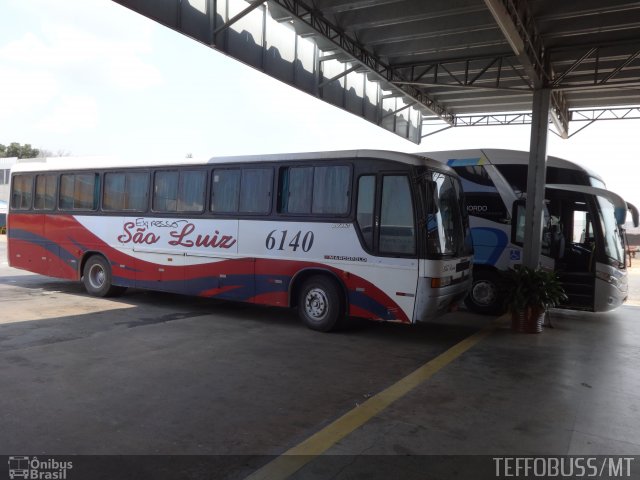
(48,245)
(84,249)
(472,187)
(240,287)
(123,281)
(367,303)
(488,244)
(464,162)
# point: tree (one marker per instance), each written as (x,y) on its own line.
(27,151)
(21,151)
(16,150)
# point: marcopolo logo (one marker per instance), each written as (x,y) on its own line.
(36,469)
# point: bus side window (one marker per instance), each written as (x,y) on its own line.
(315,190)
(79,191)
(125,191)
(331,190)
(137,191)
(255,190)
(366,202)
(296,189)
(225,190)
(22,191)
(165,191)
(45,198)
(191,194)
(581,225)
(397,230)
(179,191)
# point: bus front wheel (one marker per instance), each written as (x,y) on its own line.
(484,296)
(96,277)
(320,303)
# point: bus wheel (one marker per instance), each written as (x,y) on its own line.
(96,277)
(484,297)
(320,304)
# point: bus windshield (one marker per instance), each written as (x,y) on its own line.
(446,230)
(613,245)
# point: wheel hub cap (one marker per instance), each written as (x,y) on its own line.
(316,303)
(484,293)
(96,276)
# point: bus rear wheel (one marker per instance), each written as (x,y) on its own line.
(484,296)
(320,303)
(96,277)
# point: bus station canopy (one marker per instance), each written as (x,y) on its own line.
(416,66)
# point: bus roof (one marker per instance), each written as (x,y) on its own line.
(86,163)
(498,156)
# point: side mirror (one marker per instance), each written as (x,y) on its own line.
(621,215)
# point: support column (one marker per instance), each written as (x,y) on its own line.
(536,178)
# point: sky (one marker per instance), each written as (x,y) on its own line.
(92,78)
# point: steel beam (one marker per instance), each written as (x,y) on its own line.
(560,114)
(339,76)
(517,31)
(497,72)
(536,178)
(239,16)
(395,112)
(522,118)
(595,69)
(517,25)
(584,115)
(525,118)
(591,116)
(314,20)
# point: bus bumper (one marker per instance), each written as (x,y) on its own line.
(610,294)
(431,303)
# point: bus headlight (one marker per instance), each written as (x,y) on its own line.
(441,282)
(608,278)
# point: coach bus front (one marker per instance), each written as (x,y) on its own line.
(446,255)
(592,263)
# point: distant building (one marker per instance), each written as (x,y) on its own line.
(633,239)
(629,228)
(633,234)
(5,170)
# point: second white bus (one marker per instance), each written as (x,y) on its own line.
(582,233)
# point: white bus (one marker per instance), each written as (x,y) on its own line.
(371,234)
(582,234)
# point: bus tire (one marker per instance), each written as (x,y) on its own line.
(484,295)
(96,277)
(320,303)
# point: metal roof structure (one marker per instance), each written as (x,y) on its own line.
(416,66)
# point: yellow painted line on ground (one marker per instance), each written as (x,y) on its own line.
(295,458)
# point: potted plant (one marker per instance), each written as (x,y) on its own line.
(528,294)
